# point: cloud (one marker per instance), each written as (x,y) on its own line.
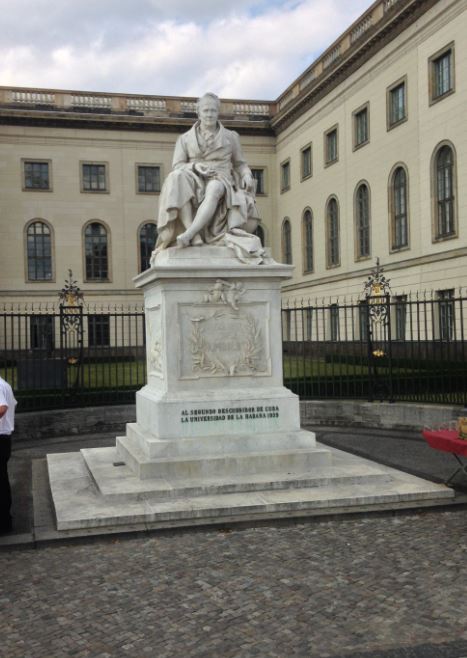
(252,50)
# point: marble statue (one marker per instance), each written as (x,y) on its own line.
(209,196)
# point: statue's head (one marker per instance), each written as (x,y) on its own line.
(208,107)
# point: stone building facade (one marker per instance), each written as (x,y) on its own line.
(363,156)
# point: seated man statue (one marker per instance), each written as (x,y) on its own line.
(209,196)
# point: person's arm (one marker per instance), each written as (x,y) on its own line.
(3,409)
(241,166)
(180,158)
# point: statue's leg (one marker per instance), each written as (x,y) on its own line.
(186,217)
(214,193)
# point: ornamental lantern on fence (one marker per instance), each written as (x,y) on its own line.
(71,326)
(377,297)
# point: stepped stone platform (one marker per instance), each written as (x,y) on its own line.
(94,489)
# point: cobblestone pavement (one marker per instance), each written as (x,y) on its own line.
(375,587)
(378,587)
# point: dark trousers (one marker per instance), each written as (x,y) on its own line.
(5,491)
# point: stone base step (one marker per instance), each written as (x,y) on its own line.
(119,482)
(157,448)
(278,461)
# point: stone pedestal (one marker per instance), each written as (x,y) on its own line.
(214,363)
(217,437)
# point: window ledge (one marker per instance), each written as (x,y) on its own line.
(361,145)
(391,126)
(437,99)
(444,238)
(396,250)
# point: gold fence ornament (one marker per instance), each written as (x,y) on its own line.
(462,427)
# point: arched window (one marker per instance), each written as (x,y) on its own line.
(332,229)
(308,241)
(260,233)
(287,242)
(147,242)
(96,252)
(444,194)
(39,251)
(362,220)
(399,209)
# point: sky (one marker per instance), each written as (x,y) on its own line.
(249,49)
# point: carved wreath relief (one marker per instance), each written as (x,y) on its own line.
(225,339)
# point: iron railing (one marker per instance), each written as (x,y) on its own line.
(388,347)
(72,355)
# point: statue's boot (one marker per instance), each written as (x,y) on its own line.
(183,240)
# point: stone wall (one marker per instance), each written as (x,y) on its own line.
(357,413)
(314,413)
(66,422)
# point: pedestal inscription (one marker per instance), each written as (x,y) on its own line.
(228,414)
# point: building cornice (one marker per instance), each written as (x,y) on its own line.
(98,110)
(303,95)
(53,119)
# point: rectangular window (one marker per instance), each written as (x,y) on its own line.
(94,178)
(361,127)
(400,317)
(306,166)
(330,146)
(308,320)
(363,320)
(442,73)
(334,321)
(98,330)
(36,175)
(149,179)
(286,324)
(285,176)
(397,104)
(446,314)
(258,175)
(42,332)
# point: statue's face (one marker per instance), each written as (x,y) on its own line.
(208,112)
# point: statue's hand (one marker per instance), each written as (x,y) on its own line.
(248,183)
(204,170)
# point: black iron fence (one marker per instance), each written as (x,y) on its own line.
(72,355)
(399,347)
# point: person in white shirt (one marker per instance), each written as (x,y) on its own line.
(7,426)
